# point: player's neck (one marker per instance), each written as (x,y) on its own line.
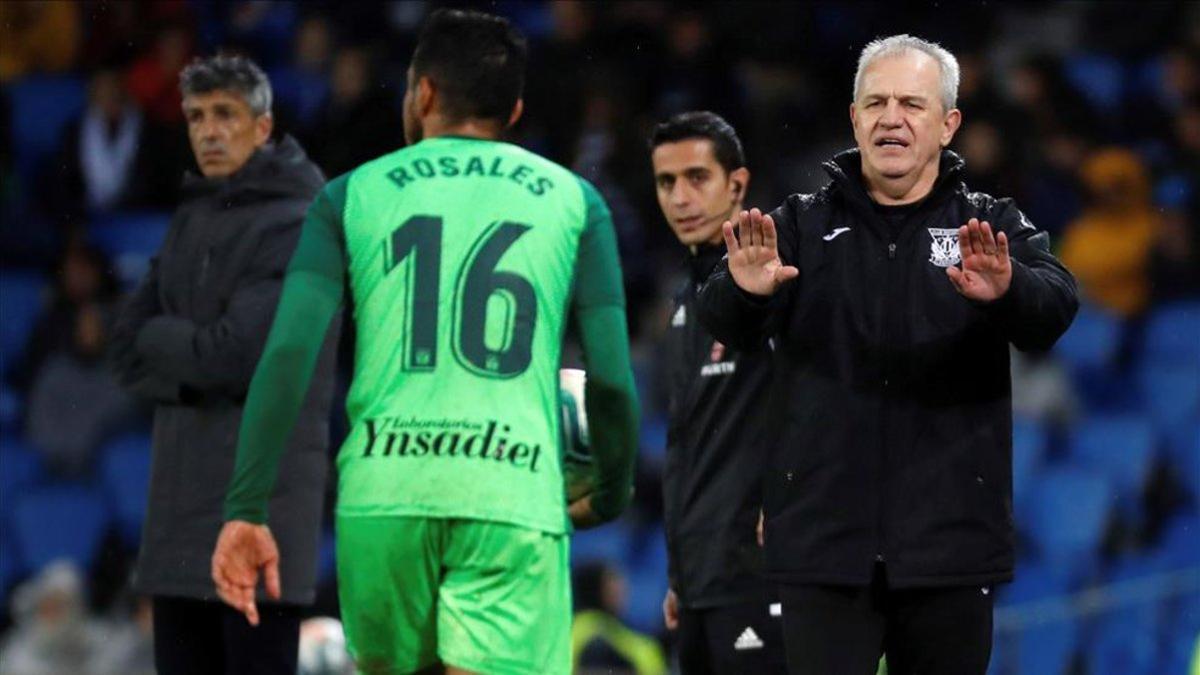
(487,130)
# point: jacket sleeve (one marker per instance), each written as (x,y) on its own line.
(1042,298)
(610,395)
(132,371)
(743,320)
(312,295)
(220,356)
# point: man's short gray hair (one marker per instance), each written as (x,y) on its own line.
(898,45)
(223,72)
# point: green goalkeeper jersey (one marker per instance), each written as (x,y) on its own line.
(462,260)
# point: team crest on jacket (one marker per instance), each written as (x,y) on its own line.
(716,366)
(718,351)
(943,250)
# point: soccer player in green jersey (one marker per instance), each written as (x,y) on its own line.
(461,258)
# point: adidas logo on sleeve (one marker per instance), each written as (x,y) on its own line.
(747,640)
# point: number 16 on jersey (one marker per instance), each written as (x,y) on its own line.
(501,348)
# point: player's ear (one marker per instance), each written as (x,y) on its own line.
(518,108)
(426,93)
(739,181)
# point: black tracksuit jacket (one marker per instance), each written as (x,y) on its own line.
(891,402)
(712,483)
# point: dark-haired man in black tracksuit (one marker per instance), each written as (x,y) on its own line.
(718,601)
(891,297)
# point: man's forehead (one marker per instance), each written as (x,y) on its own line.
(913,73)
(685,154)
(216,97)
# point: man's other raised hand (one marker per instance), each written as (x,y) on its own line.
(754,253)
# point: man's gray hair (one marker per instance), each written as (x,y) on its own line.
(898,45)
(236,74)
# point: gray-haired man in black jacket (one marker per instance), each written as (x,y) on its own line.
(892,296)
(189,339)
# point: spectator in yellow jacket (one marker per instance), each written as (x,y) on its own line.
(1108,248)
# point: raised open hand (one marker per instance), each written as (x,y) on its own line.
(754,254)
(986,268)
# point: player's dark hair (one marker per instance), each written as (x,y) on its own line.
(707,125)
(477,62)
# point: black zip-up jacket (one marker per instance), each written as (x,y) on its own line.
(891,403)
(712,485)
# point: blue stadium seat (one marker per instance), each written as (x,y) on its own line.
(1174,191)
(41,108)
(653,439)
(649,551)
(1099,77)
(299,91)
(1092,341)
(1170,336)
(1125,639)
(20,468)
(327,557)
(646,564)
(1182,624)
(1147,77)
(1030,442)
(643,608)
(1178,551)
(1031,637)
(1179,545)
(609,544)
(1178,651)
(10,410)
(60,521)
(1183,452)
(20,303)
(1069,514)
(129,231)
(1122,448)
(1169,392)
(130,239)
(1089,350)
(1125,642)
(125,472)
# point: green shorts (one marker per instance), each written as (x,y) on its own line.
(484,596)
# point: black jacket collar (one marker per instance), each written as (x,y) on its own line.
(703,260)
(278,169)
(845,168)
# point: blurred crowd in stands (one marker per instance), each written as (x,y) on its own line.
(1087,114)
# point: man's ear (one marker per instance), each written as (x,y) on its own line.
(739,180)
(518,108)
(263,126)
(426,94)
(950,126)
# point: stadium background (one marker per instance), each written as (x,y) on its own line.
(1087,114)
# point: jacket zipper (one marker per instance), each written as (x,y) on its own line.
(204,265)
(881,510)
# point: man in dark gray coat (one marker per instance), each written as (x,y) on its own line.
(189,339)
